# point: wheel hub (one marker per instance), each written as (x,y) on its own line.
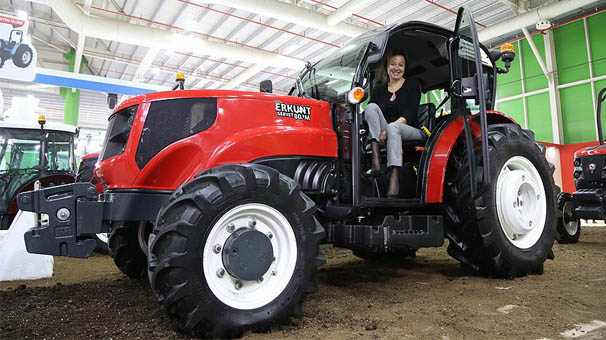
(521,202)
(571,223)
(247,254)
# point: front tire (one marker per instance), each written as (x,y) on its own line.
(209,296)
(509,230)
(125,250)
(569,226)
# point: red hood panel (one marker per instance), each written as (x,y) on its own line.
(592,150)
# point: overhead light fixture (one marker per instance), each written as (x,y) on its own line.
(22,14)
(169,53)
(154,70)
(190,25)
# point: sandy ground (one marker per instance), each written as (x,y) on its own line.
(429,297)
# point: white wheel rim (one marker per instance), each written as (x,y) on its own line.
(570,224)
(25,57)
(251,294)
(103,237)
(141,237)
(521,202)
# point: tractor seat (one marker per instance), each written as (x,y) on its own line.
(427,116)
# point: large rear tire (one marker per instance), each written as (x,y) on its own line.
(23,56)
(569,226)
(509,230)
(211,297)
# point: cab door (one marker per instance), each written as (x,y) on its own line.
(468,91)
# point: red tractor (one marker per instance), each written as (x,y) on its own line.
(589,201)
(222,198)
(86,173)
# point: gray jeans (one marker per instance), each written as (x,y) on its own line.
(396,133)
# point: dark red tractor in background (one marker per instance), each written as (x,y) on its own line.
(222,198)
(589,201)
(86,173)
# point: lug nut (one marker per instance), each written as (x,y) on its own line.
(217,248)
(523,177)
(270,235)
(220,272)
(515,204)
(238,285)
(274,273)
(530,223)
(231,227)
(252,224)
(260,279)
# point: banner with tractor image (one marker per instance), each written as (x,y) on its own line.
(17,54)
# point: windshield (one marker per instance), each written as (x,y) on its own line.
(20,150)
(331,77)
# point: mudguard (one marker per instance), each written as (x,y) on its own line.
(440,148)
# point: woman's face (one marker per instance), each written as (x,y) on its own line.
(395,67)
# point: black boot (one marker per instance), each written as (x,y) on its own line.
(376,159)
(394,185)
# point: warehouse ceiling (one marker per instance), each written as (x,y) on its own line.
(211,21)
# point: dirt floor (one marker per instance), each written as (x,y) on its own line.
(429,297)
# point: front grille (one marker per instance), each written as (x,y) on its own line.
(118,130)
(591,171)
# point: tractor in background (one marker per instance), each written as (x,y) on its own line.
(86,173)
(589,201)
(30,152)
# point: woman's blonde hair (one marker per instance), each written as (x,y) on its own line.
(390,55)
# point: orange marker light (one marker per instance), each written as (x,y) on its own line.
(507,47)
(41,118)
(180,76)
(355,95)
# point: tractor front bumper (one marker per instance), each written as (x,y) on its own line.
(590,204)
(75,212)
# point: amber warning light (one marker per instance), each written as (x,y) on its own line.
(355,95)
(507,47)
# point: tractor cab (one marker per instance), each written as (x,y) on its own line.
(29,153)
(445,63)
(16,37)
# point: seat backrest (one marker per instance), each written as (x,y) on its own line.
(426,115)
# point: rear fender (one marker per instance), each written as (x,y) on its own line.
(439,149)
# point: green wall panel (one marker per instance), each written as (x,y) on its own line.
(534,79)
(514,109)
(571,52)
(577,114)
(596,25)
(539,117)
(509,84)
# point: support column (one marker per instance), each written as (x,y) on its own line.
(71,98)
(554,92)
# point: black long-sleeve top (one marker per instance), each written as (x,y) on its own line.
(405,105)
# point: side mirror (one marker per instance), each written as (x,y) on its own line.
(266,86)
(112,100)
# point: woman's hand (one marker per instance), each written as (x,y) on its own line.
(401,120)
(383,137)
